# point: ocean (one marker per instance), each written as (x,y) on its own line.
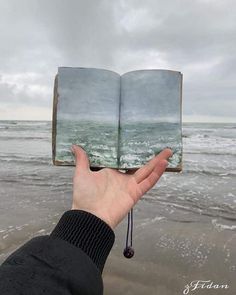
(188,218)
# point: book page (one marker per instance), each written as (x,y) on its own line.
(150,118)
(87,115)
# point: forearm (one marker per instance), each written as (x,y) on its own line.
(69,261)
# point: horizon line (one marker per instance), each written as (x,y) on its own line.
(216,122)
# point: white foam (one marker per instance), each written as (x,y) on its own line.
(221,227)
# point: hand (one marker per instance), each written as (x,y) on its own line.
(110,194)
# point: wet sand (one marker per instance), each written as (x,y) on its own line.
(168,253)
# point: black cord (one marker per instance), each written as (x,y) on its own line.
(129,251)
(131,229)
(127,234)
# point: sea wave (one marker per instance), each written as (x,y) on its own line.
(197,206)
(210,172)
(26,159)
(36,137)
(202,152)
(220,226)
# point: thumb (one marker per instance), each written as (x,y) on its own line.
(81,157)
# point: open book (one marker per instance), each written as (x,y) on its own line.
(120,121)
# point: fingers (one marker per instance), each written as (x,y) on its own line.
(153,177)
(143,172)
(81,158)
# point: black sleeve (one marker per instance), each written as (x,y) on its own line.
(69,261)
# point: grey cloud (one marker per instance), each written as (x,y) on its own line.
(195,37)
(14,96)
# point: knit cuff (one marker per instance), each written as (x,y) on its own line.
(88,232)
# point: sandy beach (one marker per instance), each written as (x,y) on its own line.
(170,255)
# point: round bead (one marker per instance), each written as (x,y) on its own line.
(128,252)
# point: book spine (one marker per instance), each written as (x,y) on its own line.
(119,127)
(54,119)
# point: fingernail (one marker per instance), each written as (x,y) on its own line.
(168,147)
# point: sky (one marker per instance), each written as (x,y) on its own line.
(195,37)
